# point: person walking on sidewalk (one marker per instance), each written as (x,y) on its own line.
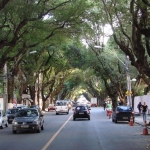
(144,110)
(104,105)
(139,107)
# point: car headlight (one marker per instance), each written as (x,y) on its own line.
(14,122)
(36,121)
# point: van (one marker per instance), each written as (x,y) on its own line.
(61,107)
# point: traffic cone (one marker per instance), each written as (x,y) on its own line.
(131,121)
(145,130)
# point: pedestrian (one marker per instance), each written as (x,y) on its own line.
(144,110)
(104,105)
(139,107)
(109,109)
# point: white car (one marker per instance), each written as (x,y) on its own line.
(61,107)
(3,120)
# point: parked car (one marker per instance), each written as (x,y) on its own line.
(28,119)
(51,107)
(122,113)
(3,119)
(35,106)
(61,107)
(81,111)
(11,114)
(21,106)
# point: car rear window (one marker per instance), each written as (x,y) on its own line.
(124,108)
(61,103)
(81,108)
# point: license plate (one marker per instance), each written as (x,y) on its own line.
(24,126)
(81,113)
(125,117)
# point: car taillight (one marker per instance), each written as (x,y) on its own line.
(117,112)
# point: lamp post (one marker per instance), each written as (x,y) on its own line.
(126,65)
(129,99)
(5,94)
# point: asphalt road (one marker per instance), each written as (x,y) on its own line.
(62,133)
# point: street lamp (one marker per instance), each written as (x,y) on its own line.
(126,65)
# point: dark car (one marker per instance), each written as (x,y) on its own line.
(28,119)
(81,111)
(11,114)
(122,113)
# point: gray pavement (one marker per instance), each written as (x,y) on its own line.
(139,120)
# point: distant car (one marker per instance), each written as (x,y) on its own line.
(35,106)
(11,114)
(62,107)
(81,111)
(89,104)
(21,107)
(28,119)
(3,120)
(122,113)
(51,107)
(93,105)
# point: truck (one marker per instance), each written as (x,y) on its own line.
(93,102)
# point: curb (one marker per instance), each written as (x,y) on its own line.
(141,125)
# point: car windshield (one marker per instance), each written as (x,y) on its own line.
(27,113)
(12,111)
(61,103)
(124,108)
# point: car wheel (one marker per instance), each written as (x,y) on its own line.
(74,118)
(42,128)
(89,118)
(116,121)
(14,131)
(67,112)
(56,113)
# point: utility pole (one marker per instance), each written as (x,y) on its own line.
(128,93)
(5,94)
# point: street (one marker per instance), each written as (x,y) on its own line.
(62,133)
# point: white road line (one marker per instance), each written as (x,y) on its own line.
(54,136)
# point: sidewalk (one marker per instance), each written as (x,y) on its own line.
(139,119)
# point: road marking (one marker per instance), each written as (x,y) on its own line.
(54,136)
